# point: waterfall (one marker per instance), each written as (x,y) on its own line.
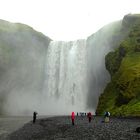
(65,86)
(75,72)
(54,79)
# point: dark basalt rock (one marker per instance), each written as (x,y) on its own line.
(138,129)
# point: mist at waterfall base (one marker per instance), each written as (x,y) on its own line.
(58,79)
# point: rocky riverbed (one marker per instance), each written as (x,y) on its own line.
(60,128)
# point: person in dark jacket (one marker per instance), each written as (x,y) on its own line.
(138,129)
(89,116)
(34,116)
(77,113)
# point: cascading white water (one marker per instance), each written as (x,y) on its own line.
(65,86)
(54,79)
(76,74)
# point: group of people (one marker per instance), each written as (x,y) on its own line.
(89,116)
(73,117)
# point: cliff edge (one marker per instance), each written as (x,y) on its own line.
(121,96)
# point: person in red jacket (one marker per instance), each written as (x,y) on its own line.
(72,117)
(89,117)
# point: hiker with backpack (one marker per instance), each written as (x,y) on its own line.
(106,115)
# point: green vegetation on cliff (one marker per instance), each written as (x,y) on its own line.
(122,94)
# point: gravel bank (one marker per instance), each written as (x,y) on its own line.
(60,128)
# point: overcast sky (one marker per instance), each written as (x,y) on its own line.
(66,19)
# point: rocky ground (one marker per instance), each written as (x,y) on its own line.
(60,128)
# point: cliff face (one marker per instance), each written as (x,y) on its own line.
(122,95)
(98,45)
(22,56)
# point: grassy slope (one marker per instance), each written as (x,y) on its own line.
(122,94)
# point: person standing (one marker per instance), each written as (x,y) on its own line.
(89,116)
(77,113)
(34,116)
(107,115)
(72,117)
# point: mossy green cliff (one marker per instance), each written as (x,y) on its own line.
(122,95)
